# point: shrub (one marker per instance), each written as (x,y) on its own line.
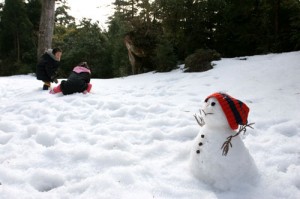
(201,60)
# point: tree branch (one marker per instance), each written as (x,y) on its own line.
(227,144)
(199,119)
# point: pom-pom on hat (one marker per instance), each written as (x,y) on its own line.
(235,111)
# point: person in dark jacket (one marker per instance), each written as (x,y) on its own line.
(47,67)
(77,82)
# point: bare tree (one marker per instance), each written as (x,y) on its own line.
(46,26)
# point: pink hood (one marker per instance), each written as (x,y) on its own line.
(80,69)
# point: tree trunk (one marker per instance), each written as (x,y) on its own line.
(46,26)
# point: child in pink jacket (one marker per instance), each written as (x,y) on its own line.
(77,82)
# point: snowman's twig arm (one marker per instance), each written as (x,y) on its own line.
(199,119)
(227,144)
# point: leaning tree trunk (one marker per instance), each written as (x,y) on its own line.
(46,26)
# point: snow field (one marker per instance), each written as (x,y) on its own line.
(131,137)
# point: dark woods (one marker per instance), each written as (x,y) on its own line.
(144,35)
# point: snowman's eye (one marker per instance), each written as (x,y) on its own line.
(213,103)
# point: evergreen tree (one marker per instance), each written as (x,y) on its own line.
(62,16)
(295,25)
(33,10)
(288,34)
(1,30)
(139,21)
(165,58)
(238,36)
(170,14)
(119,54)
(145,11)
(16,35)
(84,42)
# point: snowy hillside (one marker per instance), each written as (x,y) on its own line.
(131,137)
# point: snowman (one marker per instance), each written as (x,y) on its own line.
(219,156)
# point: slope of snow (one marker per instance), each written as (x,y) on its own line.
(131,137)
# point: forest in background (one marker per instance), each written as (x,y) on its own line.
(167,31)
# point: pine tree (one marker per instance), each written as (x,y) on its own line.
(16,27)
(15,37)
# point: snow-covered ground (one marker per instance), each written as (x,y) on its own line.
(131,137)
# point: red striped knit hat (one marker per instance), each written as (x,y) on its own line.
(236,111)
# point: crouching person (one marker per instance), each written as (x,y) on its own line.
(47,67)
(77,82)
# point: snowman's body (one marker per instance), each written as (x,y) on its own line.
(206,159)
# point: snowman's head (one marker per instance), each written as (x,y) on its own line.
(213,114)
(221,109)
